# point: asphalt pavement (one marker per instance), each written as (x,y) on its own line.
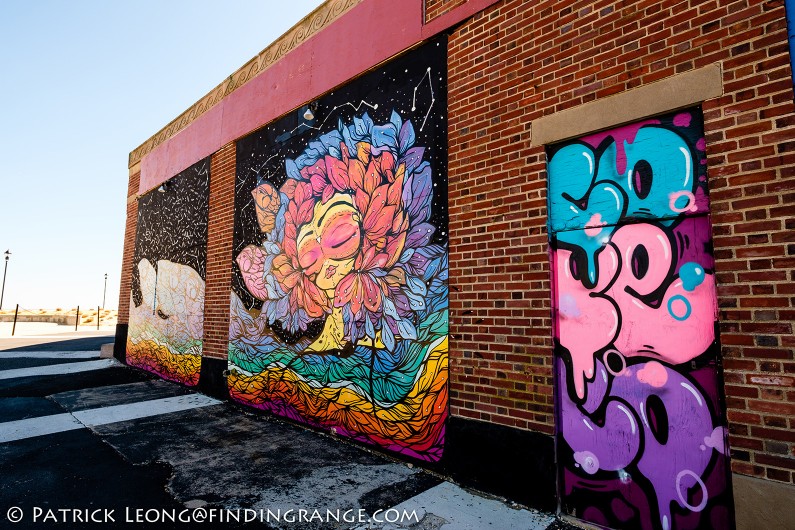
(86,442)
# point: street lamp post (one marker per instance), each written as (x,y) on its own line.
(105,290)
(7,254)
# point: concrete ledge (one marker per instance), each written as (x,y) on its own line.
(106,351)
(62,320)
(505,461)
(763,503)
(669,94)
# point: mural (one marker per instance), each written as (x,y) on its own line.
(641,434)
(339,302)
(167,300)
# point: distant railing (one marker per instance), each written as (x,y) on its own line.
(64,319)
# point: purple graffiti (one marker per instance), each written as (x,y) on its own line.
(636,309)
(667,412)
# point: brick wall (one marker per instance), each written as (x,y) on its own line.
(518,61)
(437,8)
(220,231)
(129,247)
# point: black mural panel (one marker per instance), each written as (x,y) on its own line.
(408,86)
(339,303)
(169,263)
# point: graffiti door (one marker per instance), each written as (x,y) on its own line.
(641,428)
(167,299)
(339,294)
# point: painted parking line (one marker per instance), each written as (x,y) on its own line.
(463,510)
(57,369)
(49,355)
(43,425)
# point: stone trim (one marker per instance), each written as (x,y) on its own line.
(669,94)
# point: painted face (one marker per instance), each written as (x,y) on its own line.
(328,244)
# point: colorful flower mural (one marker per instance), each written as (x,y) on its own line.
(642,438)
(167,300)
(347,285)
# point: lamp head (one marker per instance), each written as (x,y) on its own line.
(309,113)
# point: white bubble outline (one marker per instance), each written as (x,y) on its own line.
(682,501)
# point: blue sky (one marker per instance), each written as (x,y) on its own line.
(83,83)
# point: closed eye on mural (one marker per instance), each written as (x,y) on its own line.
(339,302)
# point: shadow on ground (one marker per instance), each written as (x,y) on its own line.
(57,344)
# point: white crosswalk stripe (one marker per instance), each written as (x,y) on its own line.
(49,355)
(28,428)
(55,423)
(142,409)
(57,369)
(21,429)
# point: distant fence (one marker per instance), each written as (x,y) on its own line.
(64,320)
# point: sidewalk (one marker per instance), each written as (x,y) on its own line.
(83,437)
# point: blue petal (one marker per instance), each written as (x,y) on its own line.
(396,120)
(271,248)
(349,141)
(407,329)
(407,137)
(292,169)
(331,141)
(387,337)
(417,286)
(389,308)
(416,302)
(406,256)
(361,127)
(385,136)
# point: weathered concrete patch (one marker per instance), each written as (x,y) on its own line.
(53,384)
(106,351)
(456,509)
(90,398)
(143,409)
(336,487)
(390,494)
(76,470)
(234,460)
(22,408)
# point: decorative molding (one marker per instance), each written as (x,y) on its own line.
(310,25)
(666,95)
